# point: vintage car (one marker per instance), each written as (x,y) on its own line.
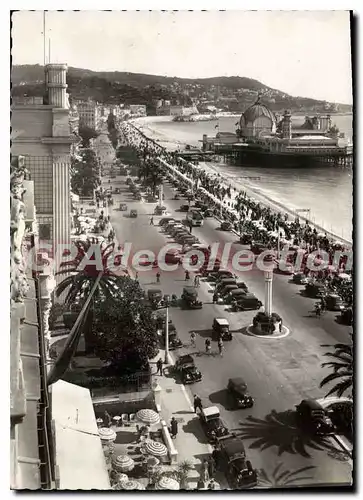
(165,220)
(225,290)
(245,238)
(224,282)
(220,274)
(210,267)
(152,199)
(234,295)
(237,389)
(226,226)
(310,415)
(160,210)
(184,208)
(230,457)
(246,302)
(190,298)
(299,278)
(172,256)
(133,214)
(174,340)
(123,207)
(137,196)
(208,213)
(155,296)
(334,302)
(346,316)
(176,196)
(220,329)
(187,370)
(212,424)
(315,289)
(117,191)
(258,248)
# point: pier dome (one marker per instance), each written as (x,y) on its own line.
(256,119)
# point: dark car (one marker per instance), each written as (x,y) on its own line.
(315,290)
(187,370)
(258,248)
(165,220)
(174,340)
(346,316)
(224,282)
(137,196)
(230,456)
(220,274)
(299,278)
(334,302)
(235,295)
(123,207)
(312,417)
(220,329)
(133,214)
(208,213)
(226,226)
(184,208)
(155,296)
(237,388)
(190,298)
(225,290)
(212,424)
(245,239)
(248,301)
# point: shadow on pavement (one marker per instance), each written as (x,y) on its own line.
(222,398)
(282,431)
(193,427)
(203,333)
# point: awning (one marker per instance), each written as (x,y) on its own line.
(79,456)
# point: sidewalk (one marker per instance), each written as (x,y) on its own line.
(190,441)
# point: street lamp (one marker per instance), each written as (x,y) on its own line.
(268,292)
(166,303)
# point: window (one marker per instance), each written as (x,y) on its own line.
(41,172)
(44,231)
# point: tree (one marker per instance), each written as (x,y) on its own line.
(80,283)
(87,133)
(342,366)
(85,173)
(152,174)
(124,327)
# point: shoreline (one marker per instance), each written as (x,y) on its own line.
(262,198)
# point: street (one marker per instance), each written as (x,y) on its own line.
(279,372)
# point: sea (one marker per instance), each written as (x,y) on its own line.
(326,191)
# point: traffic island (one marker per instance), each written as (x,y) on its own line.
(268,326)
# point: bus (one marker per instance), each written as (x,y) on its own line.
(195,217)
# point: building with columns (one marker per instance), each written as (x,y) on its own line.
(42,134)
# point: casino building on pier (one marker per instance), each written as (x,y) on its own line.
(264,139)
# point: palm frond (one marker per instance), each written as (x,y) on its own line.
(340,388)
(63,285)
(334,376)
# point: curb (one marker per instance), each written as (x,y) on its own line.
(276,337)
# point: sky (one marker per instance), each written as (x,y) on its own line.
(303,53)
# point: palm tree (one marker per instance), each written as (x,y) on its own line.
(282,478)
(80,283)
(342,365)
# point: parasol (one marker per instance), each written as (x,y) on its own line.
(167,483)
(106,434)
(148,416)
(123,463)
(131,484)
(155,448)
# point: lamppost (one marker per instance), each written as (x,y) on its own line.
(268,292)
(166,303)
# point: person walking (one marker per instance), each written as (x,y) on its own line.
(159,366)
(205,474)
(207,346)
(187,275)
(173,427)
(197,403)
(196,281)
(158,277)
(220,347)
(152,221)
(215,298)
(192,340)
(107,419)
(137,276)
(211,467)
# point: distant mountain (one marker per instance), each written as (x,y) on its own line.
(139,88)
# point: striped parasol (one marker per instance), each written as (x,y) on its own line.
(131,484)
(148,416)
(106,434)
(167,483)
(123,463)
(122,477)
(155,448)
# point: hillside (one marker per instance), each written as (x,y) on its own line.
(134,88)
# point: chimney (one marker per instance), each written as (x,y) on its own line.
(55,82)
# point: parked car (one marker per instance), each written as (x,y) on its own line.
(220,274)
(334,302)
(315,289)
(312,417)
(160,210)
(246,238)
(237,388)
(184,208)
(165,220)
(346,316)
(187,370)
(212,423)
(133,213)
(172,256)
(155,296)
(190,298)
(230,458)
(245,302)
(234,295)
(174,340)
(299,278)
(226,226)
(123,207)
